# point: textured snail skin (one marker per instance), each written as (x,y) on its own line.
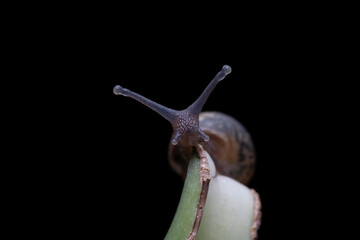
(230,146)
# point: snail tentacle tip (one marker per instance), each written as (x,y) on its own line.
(174,141)
(118,90)
(226,69)
(176,138)
(204,137)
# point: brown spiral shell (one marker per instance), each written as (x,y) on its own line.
(230,146)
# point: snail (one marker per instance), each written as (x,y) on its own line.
(210,146)
(230,146)
(223,137)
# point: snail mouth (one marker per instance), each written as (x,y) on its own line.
(186,139)
(190,138)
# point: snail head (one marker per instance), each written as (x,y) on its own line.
(185,122)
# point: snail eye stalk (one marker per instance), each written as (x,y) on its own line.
(186,122)
(167,113)
(197,106)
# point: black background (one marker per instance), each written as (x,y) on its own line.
(116,172)
(101,167)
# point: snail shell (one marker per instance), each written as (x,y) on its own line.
(230,146)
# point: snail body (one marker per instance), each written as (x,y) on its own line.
(216,139)
(230,146)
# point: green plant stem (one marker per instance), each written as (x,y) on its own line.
(184,218)
(231,211)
